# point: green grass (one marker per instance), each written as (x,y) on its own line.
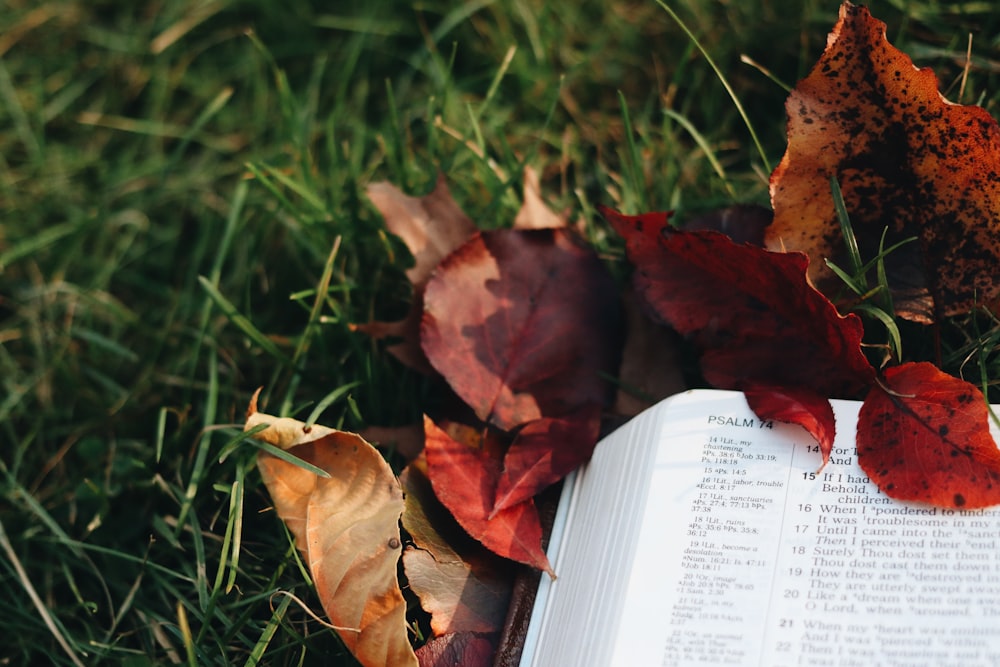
(183,220)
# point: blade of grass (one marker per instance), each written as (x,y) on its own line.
(214,106)
(237,518)
(891,328)
(495,84)
(853,253)
(29,588)
(285,455)
(723,80)
(268,634)
(241,322)
(185,629)
(703,144)
(204,442)
(633,164)
(328,400)
(37,241)
(322,290)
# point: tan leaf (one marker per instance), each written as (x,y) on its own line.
(461,584)
(407,350)
(534,213)
(430,226)
(347,528)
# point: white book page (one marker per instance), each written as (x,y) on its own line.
(701,536)
(749,556)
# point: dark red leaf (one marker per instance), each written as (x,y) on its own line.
(544,452)
(926,437)
(752,312)
(465,480)
(650,370)
(460,649)
(796,405)
(521,324)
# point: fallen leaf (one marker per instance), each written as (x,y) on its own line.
(534,213)
(650,369)
(522,325)
(906,159)
(796,405)
(463,649)
(543,452)
(926,437)
(407,330)
(431,226)
(464,587)
(408,440)
(464,476)
(347,528)
(752,312)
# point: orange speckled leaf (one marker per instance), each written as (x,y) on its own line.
(905,158)
(929,440)
(347,528)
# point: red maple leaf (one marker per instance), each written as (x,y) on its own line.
(801,406)
(926,437)
(760,324)
(464,474)
(543,452)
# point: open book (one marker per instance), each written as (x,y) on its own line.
(700,535)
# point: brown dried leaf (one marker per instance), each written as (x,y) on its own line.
(347,528)
(534,213)
(461,584)
(407,330)
(408,440)
(431,226)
